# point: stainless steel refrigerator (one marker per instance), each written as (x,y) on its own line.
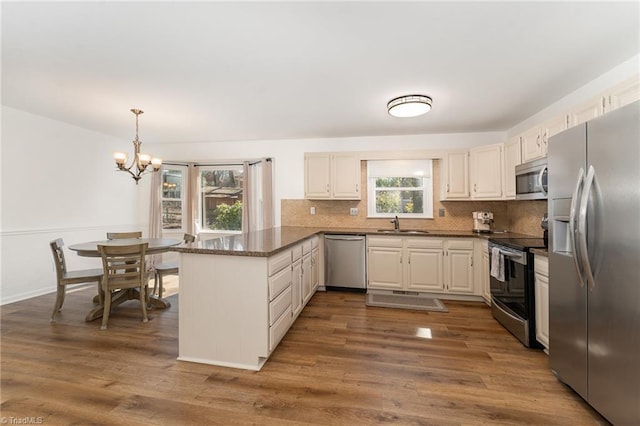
(594,262)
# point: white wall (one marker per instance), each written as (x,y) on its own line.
(289,154)
(57,181)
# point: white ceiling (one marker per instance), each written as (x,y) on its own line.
(211,71)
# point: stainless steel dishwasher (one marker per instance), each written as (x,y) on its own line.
(344,261)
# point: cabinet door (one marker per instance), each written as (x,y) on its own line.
(512,158)
(459,270)
(456,175)
(317,175)
(624,94)
(306,278)
(296,287)
(424,270)
(315,272)
(384,268)
(486,171)
(531,141)
(541,287)
(345,176)
(486,281)
(587,111)
(552,128)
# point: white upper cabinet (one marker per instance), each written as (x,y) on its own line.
(512,157)
(531,142)
(317,175)
(552,128)
(594,108)
(623,94)
(345,176)
(455,176)
(486,171)
(332,176)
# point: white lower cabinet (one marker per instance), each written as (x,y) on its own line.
(421,264)
(541,266)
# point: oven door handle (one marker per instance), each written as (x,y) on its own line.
(573,217)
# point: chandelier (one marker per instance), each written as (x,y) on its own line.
(140,163)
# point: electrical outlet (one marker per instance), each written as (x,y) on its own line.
(441,212)
(353,211)
(312,210)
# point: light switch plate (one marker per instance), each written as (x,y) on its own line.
(312,210)
(441,212)
(353,211)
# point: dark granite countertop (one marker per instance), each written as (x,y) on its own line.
(270,241)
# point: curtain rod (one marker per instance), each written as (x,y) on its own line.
(251,163)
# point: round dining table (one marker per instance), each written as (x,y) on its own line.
(156,246)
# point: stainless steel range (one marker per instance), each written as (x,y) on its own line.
(512,290)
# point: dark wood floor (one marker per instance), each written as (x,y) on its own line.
(341,363)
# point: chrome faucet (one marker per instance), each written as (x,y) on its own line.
(396,224)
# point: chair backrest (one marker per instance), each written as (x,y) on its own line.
(58,257)
(123,235)
(124,266)
(188,238)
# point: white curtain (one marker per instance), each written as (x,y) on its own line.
(257,189)
(191,199)
(155,214)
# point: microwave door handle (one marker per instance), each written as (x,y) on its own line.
(582,225)
(572,226)
(540,184)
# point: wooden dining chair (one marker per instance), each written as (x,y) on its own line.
(123,235)
(124,269)
(168,268)
(65,277)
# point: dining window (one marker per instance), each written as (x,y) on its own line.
(221,198)
(172,198)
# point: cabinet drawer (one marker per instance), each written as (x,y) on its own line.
(460,244)
(418,242)
(297,252)
(279,261)
(279,305)
(384,242)
(279,282)
(314,242)
(279,328)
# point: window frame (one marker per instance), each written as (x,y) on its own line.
(200,204)
(427,191)
(182,199)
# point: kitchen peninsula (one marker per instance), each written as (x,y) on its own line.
(240,294)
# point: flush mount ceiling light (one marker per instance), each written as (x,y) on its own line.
(409,106)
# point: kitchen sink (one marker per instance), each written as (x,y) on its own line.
(402,231)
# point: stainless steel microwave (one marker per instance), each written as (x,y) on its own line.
(531,180)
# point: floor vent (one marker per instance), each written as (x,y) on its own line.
(405,301)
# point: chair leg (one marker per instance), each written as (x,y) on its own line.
(160,287)
(156,277)
(143,302)
(107,310)
(60,292)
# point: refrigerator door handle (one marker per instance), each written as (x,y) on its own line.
(572,226)
(582,225)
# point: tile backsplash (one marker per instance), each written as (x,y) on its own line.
(515,216)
